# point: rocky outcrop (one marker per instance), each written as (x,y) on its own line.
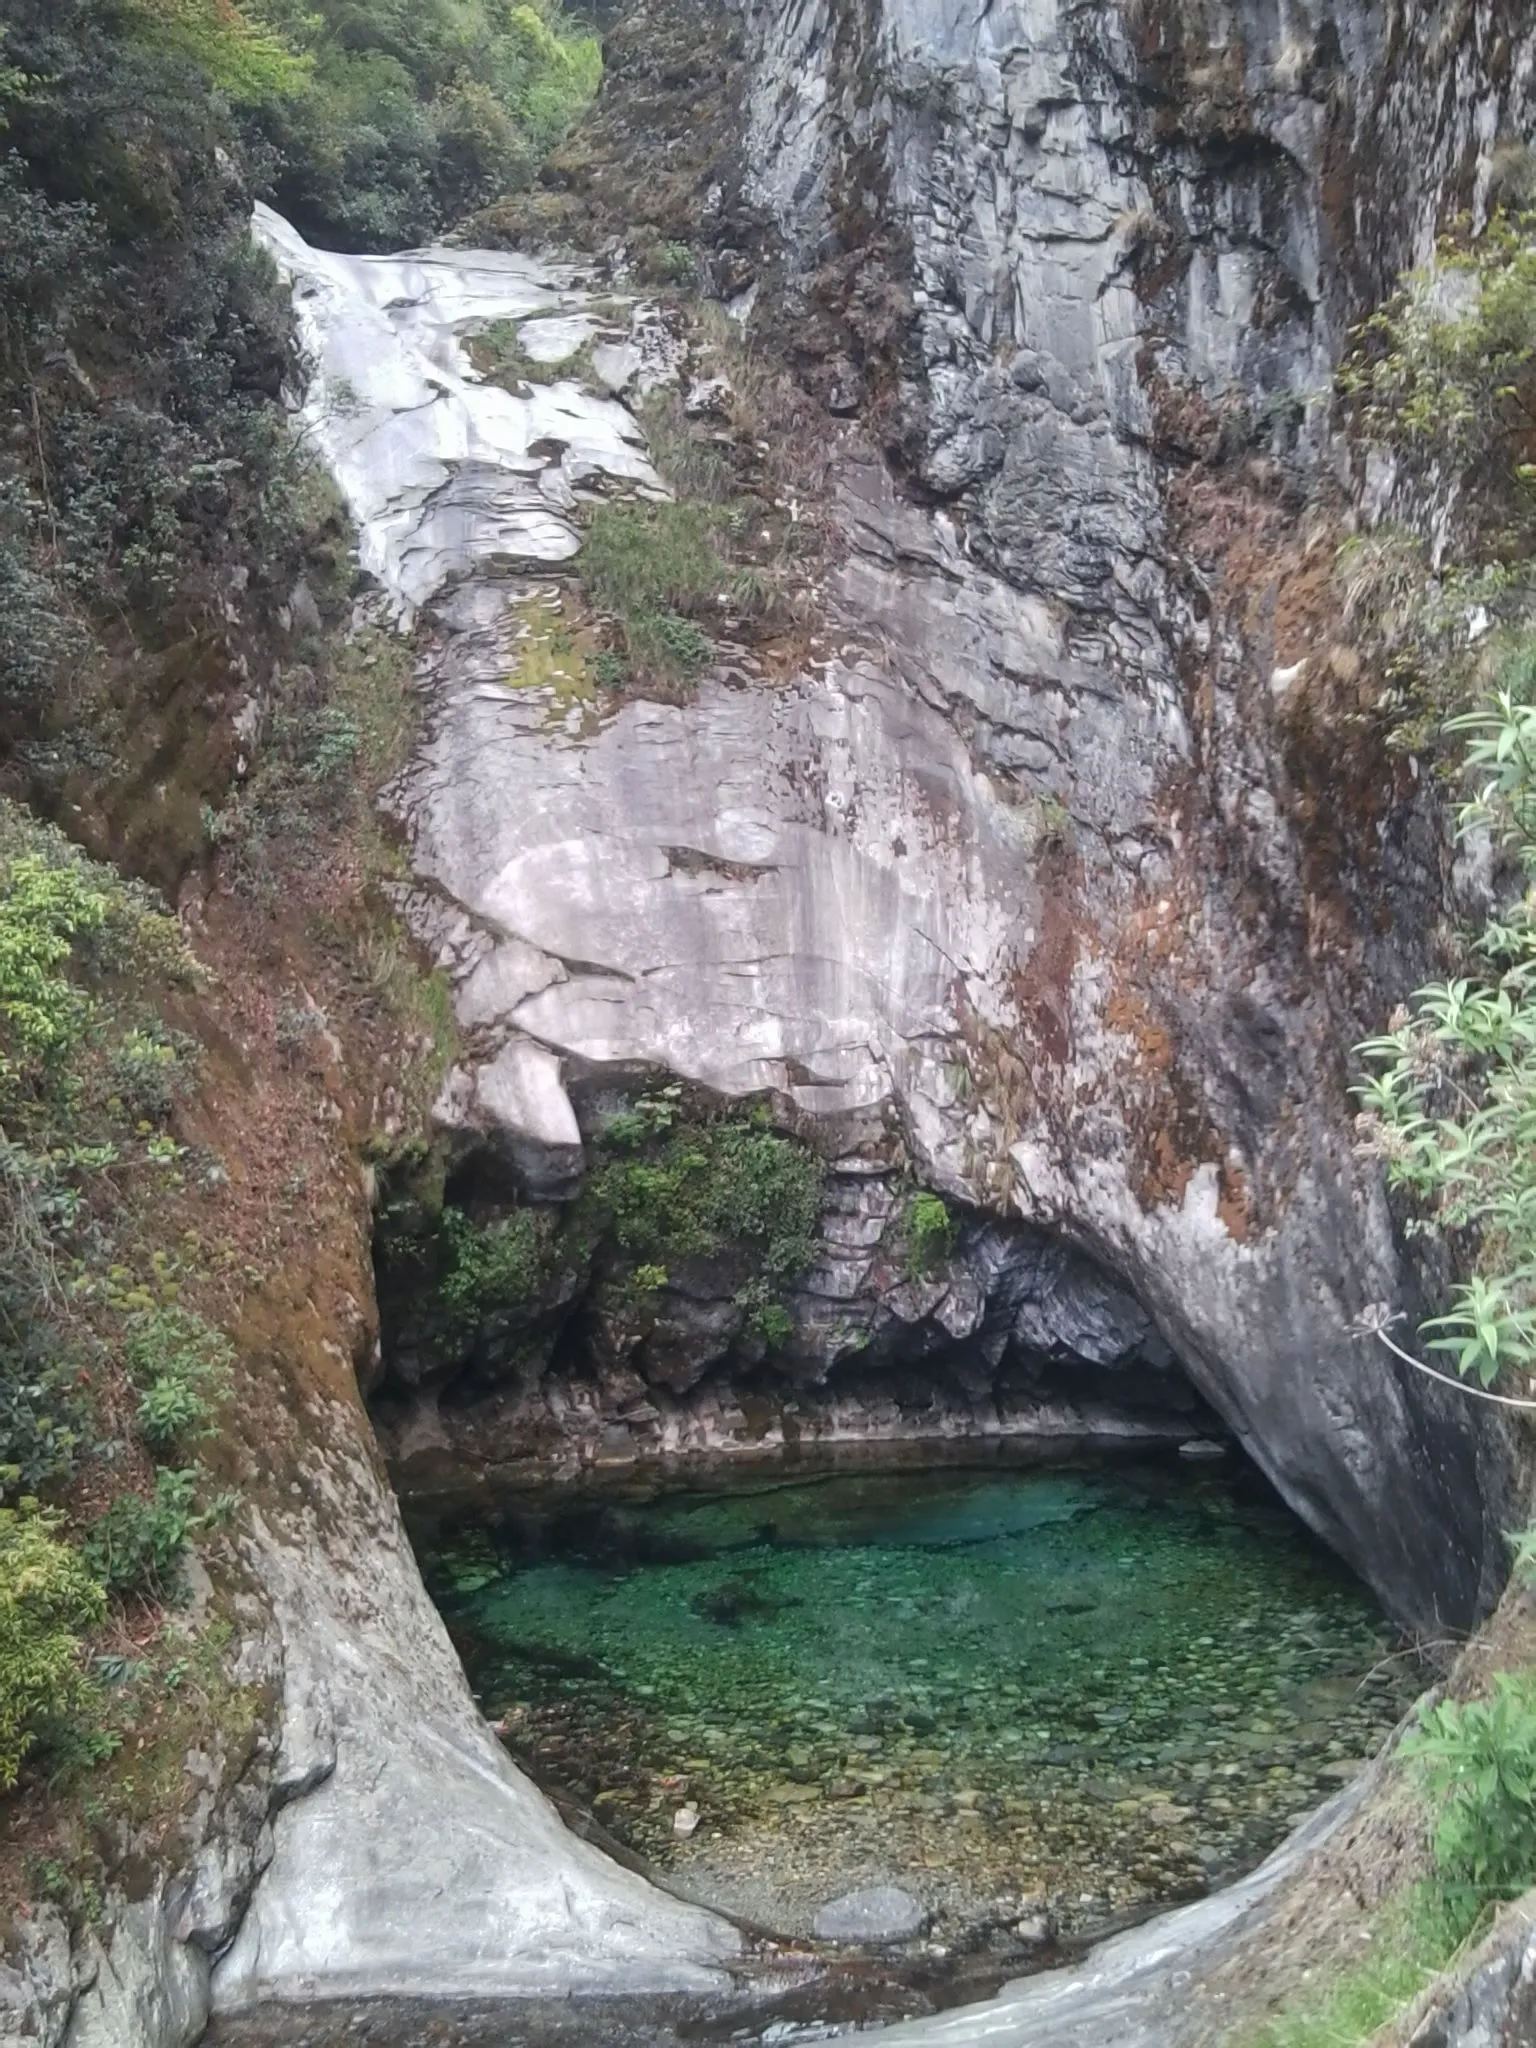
(1071,862)
(406,1854)
(1060,874)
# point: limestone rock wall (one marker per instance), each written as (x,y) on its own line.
(1072,860)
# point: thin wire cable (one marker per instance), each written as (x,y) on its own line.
(1444,1379)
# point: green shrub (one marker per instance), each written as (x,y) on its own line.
(181,1365)
(668,644)
(495,1267)
(417,111)
(44,1414)
(1444,362)
(704,1188)
(48,1600)
(651,566)
(138,1546)
(44,908)
(1478,1759)
(652,558)
(148,1070)
(240,56)
(1451,1103)
(928,1231)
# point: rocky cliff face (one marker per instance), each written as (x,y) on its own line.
(1059,873)
(1070,864)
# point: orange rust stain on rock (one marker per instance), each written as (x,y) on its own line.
(1233,1203)
(1166,1173)
(1042,987)
(1126,1013)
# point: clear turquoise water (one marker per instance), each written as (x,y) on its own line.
(1091,1686)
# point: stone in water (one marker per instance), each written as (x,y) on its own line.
(884,1913)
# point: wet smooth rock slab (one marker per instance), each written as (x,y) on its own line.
(443,472)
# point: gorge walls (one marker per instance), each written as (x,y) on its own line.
(1067,863)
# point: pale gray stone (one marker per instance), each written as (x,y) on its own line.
(883,1913)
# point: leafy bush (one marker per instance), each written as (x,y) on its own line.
(668,644)
(495,1266)
(148,1068)
(416,111)
(44,908)
(929,1232)
(706,1187)
(1444,361)
(1479,1760)
(649,558)
(1452,1101)
(138,1545)
(240,56)
(43,1411)
(1450,1105)
(48,1600)
(182,1365)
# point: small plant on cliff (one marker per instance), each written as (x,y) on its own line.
(655,568)
(928,1232)
(139,1545)
(1451,1106)
(495,1266)
(1478,1758)
(1450,365)
(709,1186)
(1446,374)
(181,1365)
(48,1601)
(1448,361)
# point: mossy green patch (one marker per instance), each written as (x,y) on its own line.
(553,652)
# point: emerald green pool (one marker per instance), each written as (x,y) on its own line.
(1070,1689)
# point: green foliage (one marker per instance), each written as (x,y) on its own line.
(143,348)
(1445,362)
(181,1365)
(44,908)
(1451,1102)
(138,1546)
(1522,1563)
(669,263)
(416,111)
(651,566)
(1446,373)
(495,1267)
(929,1233)
(1478,1759)
(691,1190)
(48,1600)
(668,644)
(44,1414)
(148,1068)
(1451,1105)
(240,57)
